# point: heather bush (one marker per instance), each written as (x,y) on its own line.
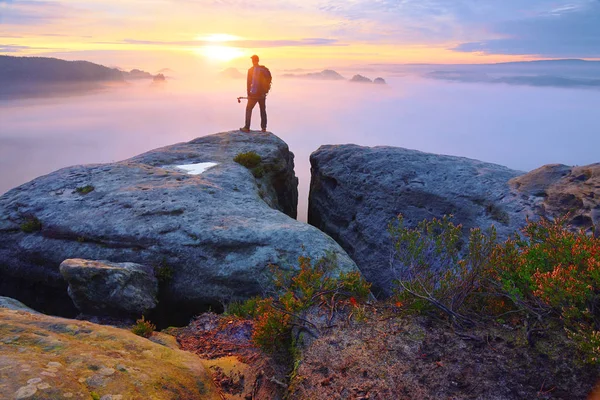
(551,271)
(545,276)
(434,268)
(295,291)
(143,328)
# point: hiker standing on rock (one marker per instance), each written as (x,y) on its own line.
(258,85)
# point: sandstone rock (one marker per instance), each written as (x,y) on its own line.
(357,191)
(12,304)
(105,288)
(81,352)
(211,235)
(555,190)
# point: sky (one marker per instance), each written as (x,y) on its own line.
(188,34)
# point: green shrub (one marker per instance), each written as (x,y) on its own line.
(143,328)
(246,309)
(551,272)
(249,159)
(163,272)
(258,172)
(546,276)
(31,224)
(296,291)
(433,268)
(83,190)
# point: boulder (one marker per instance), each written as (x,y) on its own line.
(380,81)
(357,191)
(105,288)
(12,304)
(46,357)
(556,190)
(210,226)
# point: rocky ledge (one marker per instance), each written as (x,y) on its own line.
(208,226)
(46,357)
(357,191)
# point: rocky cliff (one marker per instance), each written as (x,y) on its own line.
(357,191)
(209,226)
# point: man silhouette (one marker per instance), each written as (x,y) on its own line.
(257,93)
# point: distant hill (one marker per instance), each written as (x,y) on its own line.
(528,80)
(328,74)
(137,74)
(551,73)
(53,70)
(50,77)
(360,79)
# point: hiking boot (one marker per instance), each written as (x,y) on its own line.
(263,130)
(244,129)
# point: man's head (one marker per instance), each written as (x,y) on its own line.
(254,59)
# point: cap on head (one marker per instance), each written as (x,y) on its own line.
(254,58)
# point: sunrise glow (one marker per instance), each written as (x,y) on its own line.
(220,53)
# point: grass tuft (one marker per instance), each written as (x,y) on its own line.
(83,190)
(31,225)
(249,159)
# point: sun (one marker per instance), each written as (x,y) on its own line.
(219,51)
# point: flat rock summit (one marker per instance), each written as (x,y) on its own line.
(209,226)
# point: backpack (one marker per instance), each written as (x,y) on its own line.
(265,79)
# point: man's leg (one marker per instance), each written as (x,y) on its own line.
(249,108)
(262,104)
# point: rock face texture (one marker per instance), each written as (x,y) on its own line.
(357,191)
(105,288)
(12,304)
(212,235)
(555,190)
(55,358)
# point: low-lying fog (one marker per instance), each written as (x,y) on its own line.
(518,126)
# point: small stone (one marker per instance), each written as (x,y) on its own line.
(50,374)
(107,371)
(52,369)
(95,380)
(43,386)
(81,380)
(121,367)
(25,392)
(25,366)
(34,381)
(54,364)
(68,395)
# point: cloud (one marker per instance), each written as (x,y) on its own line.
(28,12)
(566,31)
(11,48)
(239,43)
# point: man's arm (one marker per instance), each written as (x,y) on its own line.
(249,80)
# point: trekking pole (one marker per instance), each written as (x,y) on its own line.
(239,99)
